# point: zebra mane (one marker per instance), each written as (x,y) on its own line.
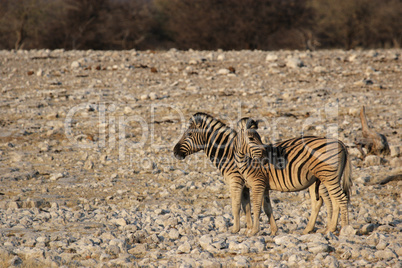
(200,117)
(247,123)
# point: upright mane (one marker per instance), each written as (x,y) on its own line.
(200,117)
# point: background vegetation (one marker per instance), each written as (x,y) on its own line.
(200,24)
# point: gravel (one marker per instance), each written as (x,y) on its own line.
(88,177)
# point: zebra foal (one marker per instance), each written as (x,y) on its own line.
(294,165)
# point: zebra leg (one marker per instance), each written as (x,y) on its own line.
(236,196)
(268,211)
(246,205)
(339,203)
(344,211)
(327,201)
(335,214)
(257,194)
(315,209)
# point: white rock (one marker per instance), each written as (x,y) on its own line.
(294,259)
(55,176)
(367,228)
(29,253)
(119,222)
(294,63)
(144,97)
(348,231)
(382,244)
(221,57)
(128,110)
(104,257)
(16,156)
(15,261)
(75,64)
(372,160)
(363,179)
(184,247)
(42,239)
(139,249)
(223,71)
(40,72)
(174,234)
(385,254)
(206,243)
(271,57)
(153,96)
(373,239)
(317,237)
(241,261)
(118,242)
(353,111)
(331,262)
(319,69)
(395,151)
(352,57)
(396,162)
(318,247)
(286,240)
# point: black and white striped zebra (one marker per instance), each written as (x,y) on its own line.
(218,141)
(294,165)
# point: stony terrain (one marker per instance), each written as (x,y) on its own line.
(87,175)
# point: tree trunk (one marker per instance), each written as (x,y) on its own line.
(374,142)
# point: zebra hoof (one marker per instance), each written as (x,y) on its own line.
(322,231)
(307,231)
(273,232)
(235,230)
(252,232)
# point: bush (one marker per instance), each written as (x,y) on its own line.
(232,24)
(200,24)
(358,23)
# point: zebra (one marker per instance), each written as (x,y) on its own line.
(218,142)
(294,165)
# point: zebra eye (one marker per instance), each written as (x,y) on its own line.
(251,137)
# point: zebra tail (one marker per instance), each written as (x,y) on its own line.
(347,176)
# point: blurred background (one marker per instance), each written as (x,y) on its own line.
(200,24)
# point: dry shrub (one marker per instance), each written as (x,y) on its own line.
(231,24)
(358,23)
(200,24)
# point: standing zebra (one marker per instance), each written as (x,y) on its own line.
(294,165)
(218,141)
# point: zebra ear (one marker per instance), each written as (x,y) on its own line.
(195,125)
(196,120)
(252,124)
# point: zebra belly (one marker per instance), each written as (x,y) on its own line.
(284,184)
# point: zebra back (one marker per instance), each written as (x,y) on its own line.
(293,164)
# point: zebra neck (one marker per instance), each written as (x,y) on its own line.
(219,146)
(243,161)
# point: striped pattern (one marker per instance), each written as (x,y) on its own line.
(294,165)
(217,140)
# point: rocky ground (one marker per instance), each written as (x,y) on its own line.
(88,178)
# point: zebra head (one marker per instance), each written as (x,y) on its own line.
(192,140)
(249,141)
